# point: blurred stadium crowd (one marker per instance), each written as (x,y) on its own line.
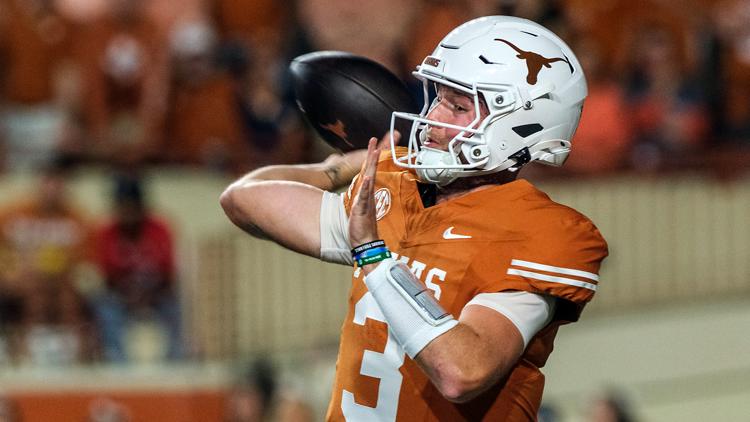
(203,82)
(134,85)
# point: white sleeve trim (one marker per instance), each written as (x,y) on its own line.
(334,230)
(529,312)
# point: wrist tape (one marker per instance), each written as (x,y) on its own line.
(413,314)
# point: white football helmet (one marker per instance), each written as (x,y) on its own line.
(532,84)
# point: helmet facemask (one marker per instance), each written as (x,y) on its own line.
(468,151)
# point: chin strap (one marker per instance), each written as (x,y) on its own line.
(552,152)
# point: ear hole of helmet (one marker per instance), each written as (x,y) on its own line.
(525,131)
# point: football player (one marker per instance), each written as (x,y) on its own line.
(464,272)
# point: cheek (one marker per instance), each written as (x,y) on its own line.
(450,133)
(462,120)
(445,116)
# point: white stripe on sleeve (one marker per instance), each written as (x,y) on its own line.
(551,269)
(552,279)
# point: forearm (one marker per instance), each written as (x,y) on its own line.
(286,212)
(282,202)
(461,365)
(332,174)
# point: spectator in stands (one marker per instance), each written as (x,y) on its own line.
(34,54)
(46,244)
(124,79)
(233,118)
(611,406)
(253,395)
(270,121)
(668,107)
(370,29)
(136,257)
(730,19)
(604,136)
(435,19)
(203,125)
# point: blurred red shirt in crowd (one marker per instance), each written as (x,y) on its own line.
(136,256)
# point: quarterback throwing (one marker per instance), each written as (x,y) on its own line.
(462,271)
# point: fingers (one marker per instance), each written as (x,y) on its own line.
(385,141)
(367,188)
(362,203)
(362,222)
(373,154)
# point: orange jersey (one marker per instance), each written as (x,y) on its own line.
(46,243)
(503,238)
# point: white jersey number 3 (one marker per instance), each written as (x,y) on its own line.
(384,365)
(379,365)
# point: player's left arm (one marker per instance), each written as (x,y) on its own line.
(472,356)
(462,357)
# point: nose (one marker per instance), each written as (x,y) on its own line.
(435,113)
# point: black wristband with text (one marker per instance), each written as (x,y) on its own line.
(366,246)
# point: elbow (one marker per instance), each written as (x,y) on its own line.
(228,201)
(240,212)
(232,204)
(460,385)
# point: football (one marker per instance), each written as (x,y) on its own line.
(347,98)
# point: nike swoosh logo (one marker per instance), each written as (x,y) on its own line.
(448,234)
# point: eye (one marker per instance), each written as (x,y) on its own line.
(460,108)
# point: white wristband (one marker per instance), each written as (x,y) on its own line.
(413,315)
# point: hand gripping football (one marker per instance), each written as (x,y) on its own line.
(348,99)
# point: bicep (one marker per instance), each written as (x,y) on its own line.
(286,212)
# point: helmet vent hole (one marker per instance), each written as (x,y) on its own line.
(527,130)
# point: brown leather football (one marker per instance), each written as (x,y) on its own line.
(347,98)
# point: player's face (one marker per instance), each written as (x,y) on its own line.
(454,107)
